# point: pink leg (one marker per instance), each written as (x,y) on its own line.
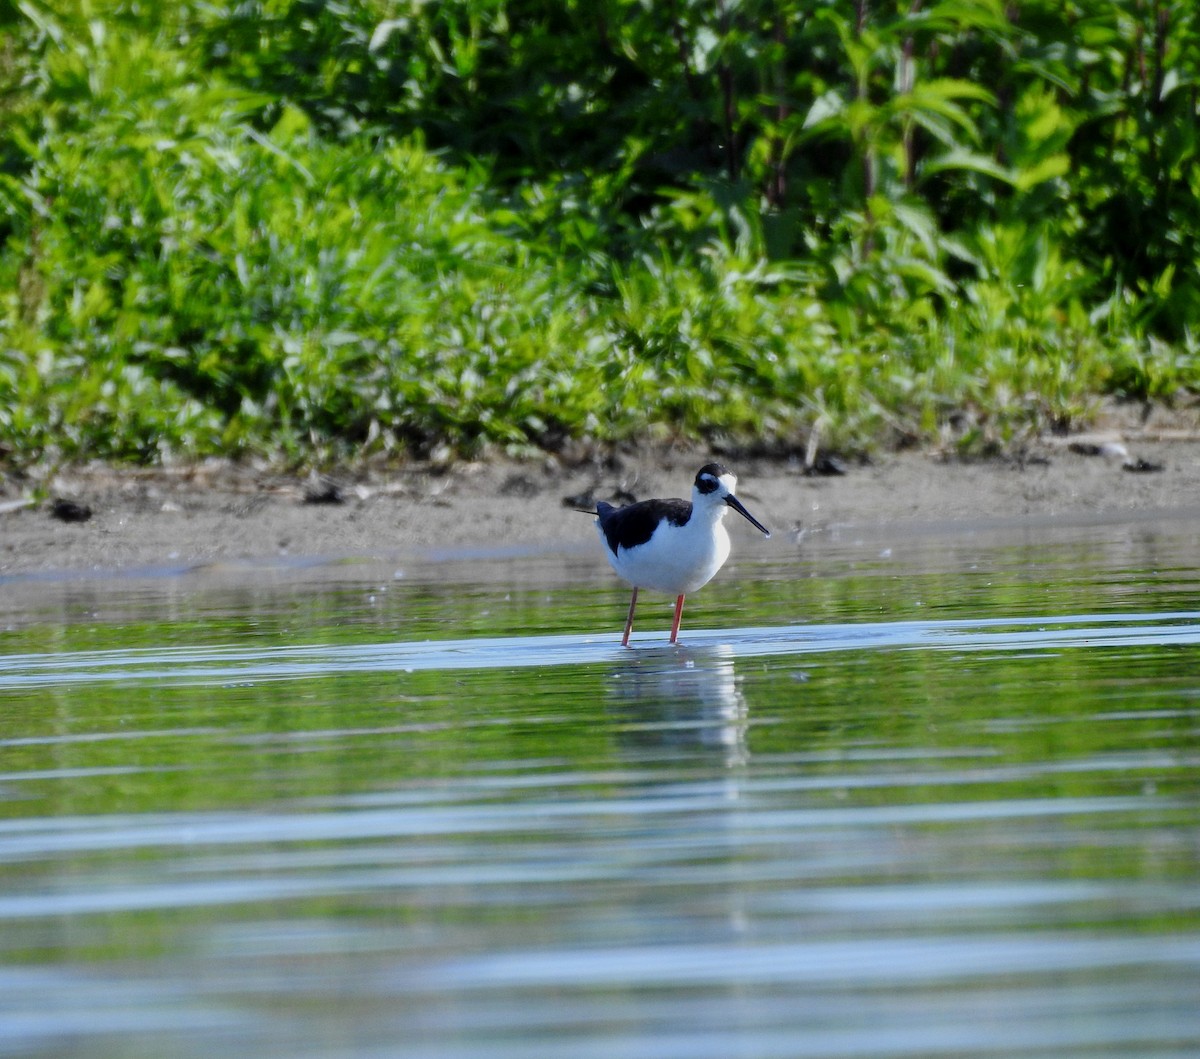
(675,623)
(629,620)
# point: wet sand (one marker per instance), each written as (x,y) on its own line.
(219,512)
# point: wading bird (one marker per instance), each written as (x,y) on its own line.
(672,546)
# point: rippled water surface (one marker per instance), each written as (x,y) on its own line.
(913,796)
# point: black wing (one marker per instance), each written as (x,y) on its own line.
(627,527)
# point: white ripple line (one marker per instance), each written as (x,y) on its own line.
(231,664)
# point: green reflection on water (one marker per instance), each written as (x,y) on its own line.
(799,734)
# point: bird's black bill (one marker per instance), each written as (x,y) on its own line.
(736,504)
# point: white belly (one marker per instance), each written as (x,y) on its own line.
(675,560)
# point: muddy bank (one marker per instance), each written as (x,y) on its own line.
(219,512)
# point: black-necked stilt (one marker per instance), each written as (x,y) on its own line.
(672,546)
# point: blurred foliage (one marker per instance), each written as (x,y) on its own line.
(319,230)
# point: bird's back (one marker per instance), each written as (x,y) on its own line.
(634,524)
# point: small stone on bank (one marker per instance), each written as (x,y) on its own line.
(69,510)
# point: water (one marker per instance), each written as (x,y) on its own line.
(894,796)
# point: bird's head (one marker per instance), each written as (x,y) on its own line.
(714,486)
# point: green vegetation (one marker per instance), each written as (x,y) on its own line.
(318,230)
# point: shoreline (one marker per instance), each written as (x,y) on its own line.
(219,512)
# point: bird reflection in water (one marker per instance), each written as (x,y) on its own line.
(683,697)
